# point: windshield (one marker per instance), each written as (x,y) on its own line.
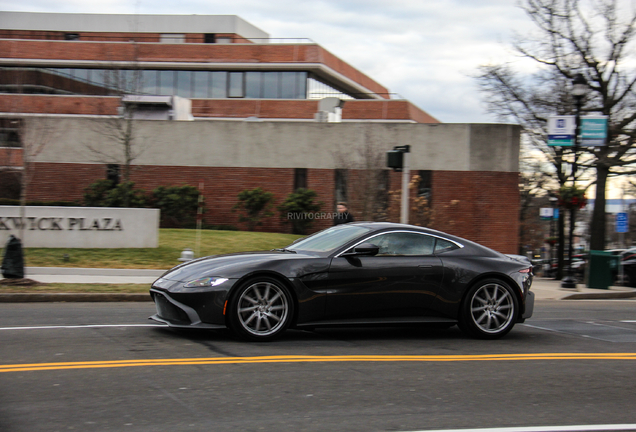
(329,239)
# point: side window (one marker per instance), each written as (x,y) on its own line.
(444,246)
(404,244)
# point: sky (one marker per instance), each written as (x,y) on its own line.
(425,51)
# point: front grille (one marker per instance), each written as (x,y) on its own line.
(168,311)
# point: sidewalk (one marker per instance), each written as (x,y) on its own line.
(543,288)
(550,289)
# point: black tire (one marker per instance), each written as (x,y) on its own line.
(261,309)
(489,310)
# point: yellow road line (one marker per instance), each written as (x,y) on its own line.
(315,359)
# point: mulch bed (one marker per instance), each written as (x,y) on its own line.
(19,282)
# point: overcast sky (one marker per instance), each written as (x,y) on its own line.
(425,51)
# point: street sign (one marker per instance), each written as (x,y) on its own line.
(561,130)
(622,225)
(546,213)
(593,130)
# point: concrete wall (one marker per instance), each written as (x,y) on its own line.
(81,227)
(446,147)
(129,23)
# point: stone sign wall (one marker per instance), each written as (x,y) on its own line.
(81,227)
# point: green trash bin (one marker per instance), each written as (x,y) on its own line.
(602,269)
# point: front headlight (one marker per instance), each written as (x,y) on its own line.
(205,282)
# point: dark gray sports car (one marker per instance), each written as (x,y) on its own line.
(354,274)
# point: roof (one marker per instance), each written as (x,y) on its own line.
(114,23)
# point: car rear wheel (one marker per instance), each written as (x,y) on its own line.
(261,309)
(489,310)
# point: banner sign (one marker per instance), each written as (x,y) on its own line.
(561,130)
(593,130)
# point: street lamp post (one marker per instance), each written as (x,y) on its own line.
(579,90)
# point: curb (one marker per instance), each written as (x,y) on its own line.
(72,297)
(600,296)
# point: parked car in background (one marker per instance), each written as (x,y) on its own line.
(628,267)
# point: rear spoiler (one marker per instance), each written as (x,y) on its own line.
(520,258)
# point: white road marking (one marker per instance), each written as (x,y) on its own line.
(576,428)
(82,326)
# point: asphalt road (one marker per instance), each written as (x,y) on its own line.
(104,366)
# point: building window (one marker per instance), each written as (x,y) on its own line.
(10,132)
(209,38)
(172,38)
(340,182)
(300,178)
(236,88)
(112,173)
(71,36)
(198,84)
(425,184)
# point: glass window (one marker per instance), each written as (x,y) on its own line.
(235,87)
(82,74)
(97,77)
(404,244)
(301,85)
(288,85)
(300,178)
(200,84)
(184,84)
(329,239)
(340,182)
(165,85)
(271,85)
(444,246)
(219,84)
(149,82)
(253,85)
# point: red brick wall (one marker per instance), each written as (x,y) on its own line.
(479,206)
(199,53)
(59,181)
(220,108)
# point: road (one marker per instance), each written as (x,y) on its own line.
(104,366)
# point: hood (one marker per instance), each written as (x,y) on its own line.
(229,266)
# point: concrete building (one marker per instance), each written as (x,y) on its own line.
(261,119)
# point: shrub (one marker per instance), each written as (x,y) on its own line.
(299,204)
(178,205)
(102,193)
(254,205)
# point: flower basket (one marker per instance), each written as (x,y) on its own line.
(571,197)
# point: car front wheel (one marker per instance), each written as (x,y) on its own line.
(489,310)
(261,309)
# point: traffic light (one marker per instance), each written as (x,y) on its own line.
(395,159)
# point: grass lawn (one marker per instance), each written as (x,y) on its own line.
(77,288)
(171,243)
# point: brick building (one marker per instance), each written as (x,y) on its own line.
(255,102)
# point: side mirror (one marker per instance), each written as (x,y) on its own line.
(363,249)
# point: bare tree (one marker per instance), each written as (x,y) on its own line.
(594,38)
(121,145)
(366,178)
